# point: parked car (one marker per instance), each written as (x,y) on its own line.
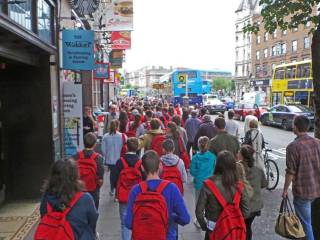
(242,110)
(228,102)
(215,106)
(283,115)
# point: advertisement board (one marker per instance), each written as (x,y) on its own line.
(121,40)
(119,15)
(77,48)
(102,70)
(73,118)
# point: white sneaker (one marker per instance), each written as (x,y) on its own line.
(196,223)
(97,236)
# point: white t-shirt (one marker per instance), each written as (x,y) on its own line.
(232,127)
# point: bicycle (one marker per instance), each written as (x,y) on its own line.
(272,170)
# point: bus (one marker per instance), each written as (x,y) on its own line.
(292,84)
(198,84)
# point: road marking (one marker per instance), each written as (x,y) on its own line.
(280,150)
(275,156)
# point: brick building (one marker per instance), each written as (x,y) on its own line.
(268,50)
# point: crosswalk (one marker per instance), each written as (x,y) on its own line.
(278,153)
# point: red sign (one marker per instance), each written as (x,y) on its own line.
(121,40)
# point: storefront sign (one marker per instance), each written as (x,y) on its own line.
(102,71)
(258,83)
(119,15)
(73,118)
(77,46)
(121,40)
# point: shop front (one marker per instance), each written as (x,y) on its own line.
(261,85)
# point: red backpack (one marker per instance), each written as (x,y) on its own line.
(54,225)
(88,171)
(124,148)
(230,224)
(156,143)
(173,174)
(150,214)
(184,155)
(129,176)
(132,132)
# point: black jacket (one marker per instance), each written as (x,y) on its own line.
(206,129)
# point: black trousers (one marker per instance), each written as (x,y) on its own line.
(249,222)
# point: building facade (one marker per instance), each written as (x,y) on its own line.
(269,50)
(243,71)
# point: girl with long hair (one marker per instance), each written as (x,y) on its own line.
(123,122)
(226,179)
(61,187)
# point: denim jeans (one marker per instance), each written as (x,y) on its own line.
(303,210)
(125,232)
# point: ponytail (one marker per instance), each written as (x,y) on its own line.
(114,125)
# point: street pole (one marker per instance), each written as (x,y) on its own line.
(187,85)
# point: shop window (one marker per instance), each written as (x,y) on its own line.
(279,73)
(21,13)
(303,71)
(291,72)
(44,21)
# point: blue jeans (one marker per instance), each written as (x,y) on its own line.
(303,210)
(125,232)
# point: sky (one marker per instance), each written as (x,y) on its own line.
(196,34)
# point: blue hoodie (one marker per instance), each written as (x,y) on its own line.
(202,167)
(177,210)
(82,217)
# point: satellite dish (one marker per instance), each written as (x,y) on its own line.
(85,7)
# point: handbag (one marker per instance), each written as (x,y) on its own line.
(288,224)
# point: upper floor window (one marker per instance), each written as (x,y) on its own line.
(308,24)
(295,29)
(266,36)
(21,13)
(283,48)
(284,32)
(258,39)
(275,34)
(306,42)
(44,20)
(237,38)
(258,55)
(237,27)
(294,45)
(265,53)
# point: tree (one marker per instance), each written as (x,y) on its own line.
(285,14)
(221,83)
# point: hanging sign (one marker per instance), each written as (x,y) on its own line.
(77,47)
(102,71)
(119,15)
(121,40)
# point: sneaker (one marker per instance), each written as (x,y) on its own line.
(97,236)
(196,223)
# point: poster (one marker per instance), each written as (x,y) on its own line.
(121,40)
(73,118)
(102,70)
(77,48)
(119,15)
(111,79)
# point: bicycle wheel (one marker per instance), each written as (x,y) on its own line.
(272,174)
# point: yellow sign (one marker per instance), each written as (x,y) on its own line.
(158,86)
(182,78)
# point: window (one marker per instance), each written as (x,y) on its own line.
(283,48)
(279,73)
(265,53)
(294,45)
(236,70)
(266,36)
(21,13)
(237,55)
(237,38)
(284,32)
(290,72)
(275,34)
(295,29)
(306,42)
(244,54)
(44,21)
(258,69)
(258,40)
(265,70)
(274,51)
(237,27)
(308,24)
(258,55)
(303,71)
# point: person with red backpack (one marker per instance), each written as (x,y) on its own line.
(134,125)
(126,173)
(155,205)
(90,166)
(222,204)
(66,212)
(173,167)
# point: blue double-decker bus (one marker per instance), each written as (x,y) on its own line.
(195,82)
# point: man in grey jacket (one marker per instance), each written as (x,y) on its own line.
(192,126)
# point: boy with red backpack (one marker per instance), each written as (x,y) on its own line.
(155,205)
(126,173)
(173,167)
(90,166)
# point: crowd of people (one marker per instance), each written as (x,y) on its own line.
(149,149)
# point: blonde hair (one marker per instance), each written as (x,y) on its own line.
(203,143)
(253,124)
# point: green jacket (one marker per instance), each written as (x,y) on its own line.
(224,141)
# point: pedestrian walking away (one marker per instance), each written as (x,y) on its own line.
(232,127)
(192,126)
(303,170)
(155,205)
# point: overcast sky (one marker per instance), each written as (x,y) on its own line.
(183,33)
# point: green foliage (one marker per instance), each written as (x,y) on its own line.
(223,83)
(285,14)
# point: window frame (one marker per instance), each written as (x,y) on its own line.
(296,45)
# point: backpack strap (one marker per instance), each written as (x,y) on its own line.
(237,196)
(81,155)
(138,164)
(74,200)
(144,186)
(124,162)
(93,156)
(213,188)
(162,186)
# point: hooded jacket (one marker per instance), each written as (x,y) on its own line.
(82,217)
(146,139)
(171,160)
